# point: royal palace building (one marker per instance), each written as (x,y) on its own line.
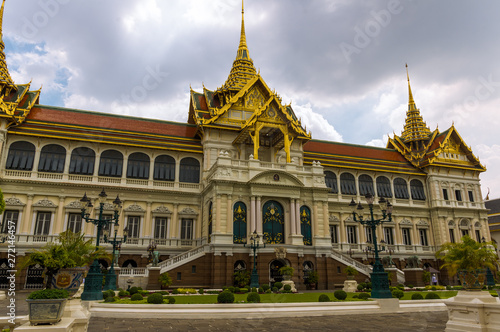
(242,163)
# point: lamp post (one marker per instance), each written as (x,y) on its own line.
(379,278)
(254,245)
(368,249)
(110,282)
(92,290)
(490,280)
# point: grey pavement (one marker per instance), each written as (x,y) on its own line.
(425,321)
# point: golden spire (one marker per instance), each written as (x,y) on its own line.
(243,69)
(415,128)
(5,79)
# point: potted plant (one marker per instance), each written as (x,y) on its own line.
(71,251)
(46,306)
(469,259)
(351,272)
(287,272)
(165,280)
(312,279)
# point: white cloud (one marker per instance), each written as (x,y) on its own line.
(316,123)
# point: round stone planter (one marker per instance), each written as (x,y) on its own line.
(47,311)
(473,281)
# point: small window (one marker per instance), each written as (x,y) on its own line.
(189,170)
(406,236)
(82,161)
(400,188)
(10,218)
(160,228)
(331,182)
(369,234)
(351,234)
(339,270)
(452,235)
(164,168)
(471,196)
(42,225)
(138,166)
(21,156)
(179,276)
(334,233)
(52,158)
(458,195)
(445,194)
(388,235)
(193,269)
(384,187)
(417,190)
(75,222)
(347,184)
(423,237)
(133,226)
(365,185)
(478,235)
(186,229)
(111,164)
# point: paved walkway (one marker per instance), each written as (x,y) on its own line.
(426,321)
(415,322)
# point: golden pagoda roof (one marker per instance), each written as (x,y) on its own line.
(243,69)
(415,128)
(5,78)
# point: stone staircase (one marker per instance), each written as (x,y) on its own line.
(362,268)
(182,259)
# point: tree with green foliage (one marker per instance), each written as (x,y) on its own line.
(71,250)
(2,202)
(241,278)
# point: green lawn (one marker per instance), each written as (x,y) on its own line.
(274,298)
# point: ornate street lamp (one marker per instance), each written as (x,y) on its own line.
(110,281)
(254,245)
(379,278)
(368,249)
(490,280)
(92,290)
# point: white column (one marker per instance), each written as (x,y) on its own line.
(293,228)
(259,216)
(252,215)
(297,214)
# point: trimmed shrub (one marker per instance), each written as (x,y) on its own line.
(269,291)
(265,287)
(164,292)
(417,296)
(244,290)
(155,298)
(355,296)
(368,285)
(171,299)
(253,297)
(287,288)
(401,286)
(123,293)
(231,289)
(175,291)
(432,296)
(254,289)
(361,287)
(49,293)
(109,299)
(410,286)
(137,297)
(364,296)
(237,289)
(225,297)
(324,298)
(340,295)
(278,285)
(133,290)
(398,293)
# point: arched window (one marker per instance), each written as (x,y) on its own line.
(189,170)
(305,225)
(21,156)
(164,168)
(138,166)
(82,161)
(239,222)
(365,185)
(400,188)
(331,182)
(347,184)
(417,190)
(384,187)
(52,159)
(273,221)
(111,163)
(130,263)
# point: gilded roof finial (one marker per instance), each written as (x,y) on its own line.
(5,79)
(415,128)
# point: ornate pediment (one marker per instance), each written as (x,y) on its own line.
(134,208)
(333,219)
(45,203)
(188,210)
(276,178)
(13,201)
(74,205)
(162,209)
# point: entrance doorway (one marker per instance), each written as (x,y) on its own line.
(274,274)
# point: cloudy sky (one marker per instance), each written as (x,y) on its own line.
(340,62)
